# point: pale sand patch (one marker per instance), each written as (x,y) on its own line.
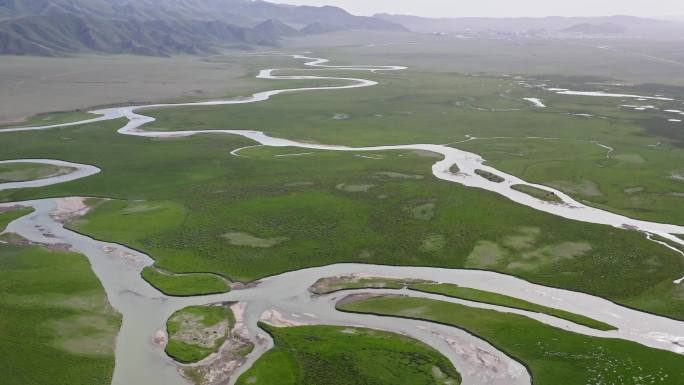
(160,338)
(481,362)
(122,253)
(277,319)
(69,208)
(240,328)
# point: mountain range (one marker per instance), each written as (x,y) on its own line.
(202,27)
(162,27)
(552,26)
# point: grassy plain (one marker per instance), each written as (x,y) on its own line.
(176,199)
(507,301)
(195,332)
(432,102)
(31,83)
(553,356)
(556,146)
(634,60)
(327,355)
(197,209)
(57,325)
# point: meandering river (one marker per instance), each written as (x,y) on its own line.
(145,310)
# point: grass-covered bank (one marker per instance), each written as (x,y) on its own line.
(56,325)
(553,356)
(507,301)
(6,217)
(181,285)
(328,355)
(537,193)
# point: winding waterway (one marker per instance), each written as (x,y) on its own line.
(145,310)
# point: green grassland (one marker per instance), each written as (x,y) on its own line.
(416,106)
(196,209)
(20,172)
(553,356)
(184,200)
(185,285)
(507,301)
(440,102)
(195,332)
(637,180)
(327,355)
(57,325)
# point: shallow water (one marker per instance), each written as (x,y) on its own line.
(145,310)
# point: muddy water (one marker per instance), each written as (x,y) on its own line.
(145,310)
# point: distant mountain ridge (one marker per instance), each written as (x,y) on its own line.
(605,25)
(156,27)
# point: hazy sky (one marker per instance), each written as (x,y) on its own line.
(505,8)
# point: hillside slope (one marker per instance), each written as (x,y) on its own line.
(149,27)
